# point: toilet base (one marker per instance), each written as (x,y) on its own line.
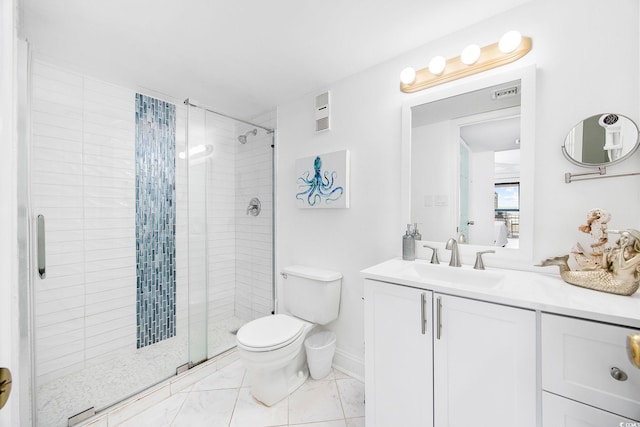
(271,386)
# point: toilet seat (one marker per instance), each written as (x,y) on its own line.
(270,333)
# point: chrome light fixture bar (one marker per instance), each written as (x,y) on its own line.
(473,59)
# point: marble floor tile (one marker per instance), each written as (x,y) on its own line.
(251,413)
(229,377)
(336,423)
(352,397)
(339,374)
(315,401)
(159,415)
(211,408)
(355,422)
(224,399)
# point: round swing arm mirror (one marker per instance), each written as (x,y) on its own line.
(601,140)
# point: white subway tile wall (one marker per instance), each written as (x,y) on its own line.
(253,296)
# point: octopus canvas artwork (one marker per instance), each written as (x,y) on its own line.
(322,180)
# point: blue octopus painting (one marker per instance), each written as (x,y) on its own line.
(319,188)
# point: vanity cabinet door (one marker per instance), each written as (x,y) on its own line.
(398,355)
(484,364)
(560,412)
(587,361)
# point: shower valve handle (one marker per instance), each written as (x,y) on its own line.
(254,207)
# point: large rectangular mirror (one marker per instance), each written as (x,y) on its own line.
(468,163)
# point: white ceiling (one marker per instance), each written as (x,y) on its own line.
(494,135)
(240,57)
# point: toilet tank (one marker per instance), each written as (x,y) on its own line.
(312,294)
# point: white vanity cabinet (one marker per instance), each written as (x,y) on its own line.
(559,411)
(398,328)
(484,364)
(585,363)
(475,363)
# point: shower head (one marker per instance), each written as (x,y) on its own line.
(243,138)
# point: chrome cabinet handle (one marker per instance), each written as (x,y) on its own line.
(423,312)
(618,374)
(41,247)
(633,347)
(438,324)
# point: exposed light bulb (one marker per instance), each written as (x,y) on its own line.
(408,75)
(510,41)
(470,54)
(437,64)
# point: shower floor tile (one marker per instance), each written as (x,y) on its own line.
(127,372)
(224,399)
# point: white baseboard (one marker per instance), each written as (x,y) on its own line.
(349,364)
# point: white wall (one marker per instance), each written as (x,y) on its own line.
(571,39)
(9,315)
(432,206)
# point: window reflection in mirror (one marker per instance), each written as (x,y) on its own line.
(465,166)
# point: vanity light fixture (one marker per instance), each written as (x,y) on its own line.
(473,59)
(408,75)
(470,54)
(437,65)
(510,41)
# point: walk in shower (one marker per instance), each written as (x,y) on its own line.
(146,253)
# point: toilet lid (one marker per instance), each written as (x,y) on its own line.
(271,331)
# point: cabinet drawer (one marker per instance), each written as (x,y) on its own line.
(560,412)
(577,361)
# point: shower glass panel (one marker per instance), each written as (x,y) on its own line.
(230,164)
(197,155)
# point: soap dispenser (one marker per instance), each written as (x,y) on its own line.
(416,234)
(409,244)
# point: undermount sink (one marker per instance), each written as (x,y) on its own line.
(443,273)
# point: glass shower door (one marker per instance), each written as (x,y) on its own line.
(109,285)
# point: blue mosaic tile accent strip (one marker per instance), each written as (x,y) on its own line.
(155,220)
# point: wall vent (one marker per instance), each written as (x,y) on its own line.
(323,113)
(506,92)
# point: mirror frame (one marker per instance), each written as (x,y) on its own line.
(527,77)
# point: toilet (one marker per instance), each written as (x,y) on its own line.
(271,347)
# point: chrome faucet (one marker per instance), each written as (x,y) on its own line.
(452,245)
(434,255)
(479,263)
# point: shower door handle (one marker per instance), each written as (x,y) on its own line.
(41,247)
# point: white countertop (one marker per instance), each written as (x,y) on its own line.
(535,291)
